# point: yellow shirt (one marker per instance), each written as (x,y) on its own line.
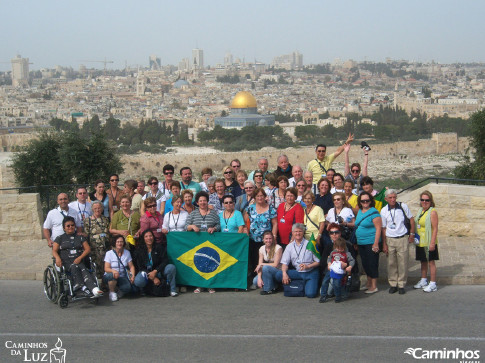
(421,229)
(316,169)
(317,216)
(353,201)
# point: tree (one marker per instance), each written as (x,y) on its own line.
(39,162)
(112,128)
(475,169)
(64,158)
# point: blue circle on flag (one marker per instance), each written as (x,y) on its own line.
(207,260)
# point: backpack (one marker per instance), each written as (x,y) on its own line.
(407,222)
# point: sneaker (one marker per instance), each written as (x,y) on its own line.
(97,292)
(266,292)
(212,291)
(253,287)
(421,284)
(431,287)
(392,289)
(113,296)
(322,299)
(173,294)
(371,291)
(120,294)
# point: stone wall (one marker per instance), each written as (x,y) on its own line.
(146,165)
(23,253)
(461,208)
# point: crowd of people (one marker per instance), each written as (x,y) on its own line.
(125,229)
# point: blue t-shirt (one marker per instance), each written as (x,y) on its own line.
(366,232)
(231,224)
(260,223)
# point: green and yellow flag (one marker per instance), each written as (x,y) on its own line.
(312,246)
(379,199)
(218,260)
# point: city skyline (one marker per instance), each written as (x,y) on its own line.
(51,33)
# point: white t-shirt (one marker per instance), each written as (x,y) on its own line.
(346,214)
(262,251)
(164,190)
(335,190)
(393,220)
(83,210)
(160,197)
(54,220)
(112,259)
(175,222)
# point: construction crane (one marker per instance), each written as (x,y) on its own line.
(99,61)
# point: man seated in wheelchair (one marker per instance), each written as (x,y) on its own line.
(69,251)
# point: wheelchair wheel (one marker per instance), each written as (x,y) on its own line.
(52,286)
(63,301)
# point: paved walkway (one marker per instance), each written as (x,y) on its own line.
(462,261)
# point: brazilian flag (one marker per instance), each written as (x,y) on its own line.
(218,260)
(380,199)
(312,246)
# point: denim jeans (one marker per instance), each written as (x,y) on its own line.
(310,278)
(336,285)
(269,278)
(123,283)
(170,272)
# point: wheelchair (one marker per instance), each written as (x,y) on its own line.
(58,284)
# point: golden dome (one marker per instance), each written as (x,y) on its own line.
(244,99)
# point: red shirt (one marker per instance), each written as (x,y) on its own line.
(153,223)
(286,219)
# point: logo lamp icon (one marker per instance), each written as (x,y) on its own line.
(58,354)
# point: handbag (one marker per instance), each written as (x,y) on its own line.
(296,288)
(162,290)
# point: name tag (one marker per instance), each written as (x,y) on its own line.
(392,226)
(159,230)
(226,230)
(102,235)
(203,226)
(115,207)
(72,252)
(282,220)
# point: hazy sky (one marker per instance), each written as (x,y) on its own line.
(66,32)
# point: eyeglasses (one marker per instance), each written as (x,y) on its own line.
(113,180)
(168,173)
(228,202)
(334,232)
(425,200)
(300,186)
(355,171)
(82,193)
(337,199)
(258,176)
(321,151)
(153,183)
(151,206)
(365,200)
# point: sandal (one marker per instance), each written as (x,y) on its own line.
(211,291)
(197,290)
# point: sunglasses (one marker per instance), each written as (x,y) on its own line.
(153,183)
(321,151)
(113,180)
(365,200)
(168,173)
(228,172)
(301,186)
(258,176)
(355,171)
(425,200)
(334,232)
(337,199)
(152,206)
(228,202)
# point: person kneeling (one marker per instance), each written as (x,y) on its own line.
(305,262)
(69,250)
(116,271)
(340,262)
(153,267)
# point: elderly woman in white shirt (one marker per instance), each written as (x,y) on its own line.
(174,221)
